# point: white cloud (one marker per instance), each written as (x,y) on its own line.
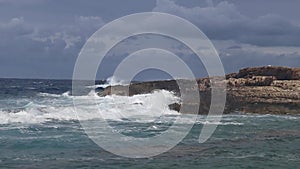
(71,40)
(15,27)
(72,34)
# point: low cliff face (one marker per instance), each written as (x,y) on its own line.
(264,90)
(280,73)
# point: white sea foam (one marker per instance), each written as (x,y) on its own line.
(141,108)
(111,81)
(137,108)
(221,123)
(67,93)
(49,95)
(97,86)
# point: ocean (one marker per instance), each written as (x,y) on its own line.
(40,129)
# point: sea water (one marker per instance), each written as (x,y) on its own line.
(39,128)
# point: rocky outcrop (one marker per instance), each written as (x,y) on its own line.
(265,90)
(141,88)
(252,81)
(280,97)
(280,73)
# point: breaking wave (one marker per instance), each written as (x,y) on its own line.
(48,107)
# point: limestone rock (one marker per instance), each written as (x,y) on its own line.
(280,73)
(265,90)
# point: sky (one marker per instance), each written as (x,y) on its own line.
(42,38)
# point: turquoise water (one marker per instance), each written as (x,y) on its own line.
(37,130)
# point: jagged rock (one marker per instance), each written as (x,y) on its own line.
(140,88)
(175,106)
(231,75)
(253,81)
(260,81)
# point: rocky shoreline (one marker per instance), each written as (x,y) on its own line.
(263,90)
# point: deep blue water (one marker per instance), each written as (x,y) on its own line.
(38,129)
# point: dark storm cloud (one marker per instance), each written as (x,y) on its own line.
(42,38)
(224,21)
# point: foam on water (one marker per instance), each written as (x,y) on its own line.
(144,107)
(111,81)
(97,86)
(51,95)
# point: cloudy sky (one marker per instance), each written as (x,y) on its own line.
(42,38)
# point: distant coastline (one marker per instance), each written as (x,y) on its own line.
(262,90)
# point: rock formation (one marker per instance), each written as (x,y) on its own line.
(264,90)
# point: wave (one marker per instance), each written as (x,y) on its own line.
(140,108)
(221,123)
(67,93)
(263,116)
(48,94)
(111,81)
(98,86)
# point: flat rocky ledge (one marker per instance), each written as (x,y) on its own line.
(263,90)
